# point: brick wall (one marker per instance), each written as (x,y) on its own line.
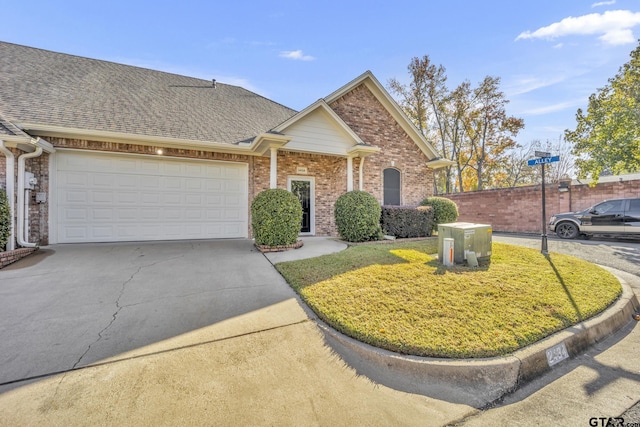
(38,212)
(363,113)
(519,209)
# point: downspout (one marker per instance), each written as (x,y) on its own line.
(10,170)
(273,168)
(22,215)
(361,174)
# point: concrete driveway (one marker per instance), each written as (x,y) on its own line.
(73,305)
(177,333)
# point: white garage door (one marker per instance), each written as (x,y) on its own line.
(110,198)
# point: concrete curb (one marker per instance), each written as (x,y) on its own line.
(479,382)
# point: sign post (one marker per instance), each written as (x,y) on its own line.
(542,158)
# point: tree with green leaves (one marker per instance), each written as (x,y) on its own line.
(607,137)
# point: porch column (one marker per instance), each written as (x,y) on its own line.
(273,177)
(349,173)
(360,171)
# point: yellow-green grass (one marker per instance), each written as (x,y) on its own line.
(398,297)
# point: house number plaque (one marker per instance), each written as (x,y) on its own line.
(557,354)
(301,170)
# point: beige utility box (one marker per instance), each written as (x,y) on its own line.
(470,241)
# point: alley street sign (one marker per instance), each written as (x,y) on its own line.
(543,160)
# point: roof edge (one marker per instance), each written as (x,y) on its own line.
(252,148)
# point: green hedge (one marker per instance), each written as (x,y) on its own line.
(407,221)
(276,216)
(357,215)
(444,210)
(5,219)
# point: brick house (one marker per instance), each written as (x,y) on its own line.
(96,151)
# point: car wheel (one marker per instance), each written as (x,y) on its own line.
(567,230)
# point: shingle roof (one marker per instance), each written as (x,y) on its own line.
(55,89)
(9,129)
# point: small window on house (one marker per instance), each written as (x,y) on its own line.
(391,186)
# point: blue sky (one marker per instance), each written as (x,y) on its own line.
(550,54)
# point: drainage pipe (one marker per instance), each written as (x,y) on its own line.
(22,214)
(10,188)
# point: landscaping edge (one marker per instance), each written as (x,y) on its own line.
(9,257)
(280,248)
(483,380)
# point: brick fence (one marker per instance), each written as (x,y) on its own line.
(519,209)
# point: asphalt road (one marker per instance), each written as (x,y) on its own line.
(619,253)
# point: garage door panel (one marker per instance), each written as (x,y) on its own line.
(74,196)
(127,197)
(103,197)
(78,214)
(74,179)
(128,181)
(150,167)
(147,198)
(171,198)
(172,183)
(150,182)
(104,215)
(193,199)
(101,180)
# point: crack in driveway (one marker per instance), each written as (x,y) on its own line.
(119,307)
(113,317)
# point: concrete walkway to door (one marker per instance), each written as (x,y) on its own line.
(177,333)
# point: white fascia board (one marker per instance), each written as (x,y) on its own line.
(363,151)
(440,163)
(147,140)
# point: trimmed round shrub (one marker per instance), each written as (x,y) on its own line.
(5,219)
(276,216)
(444,210)
(357,215)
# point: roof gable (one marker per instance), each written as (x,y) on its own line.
(378,91)
(319,129)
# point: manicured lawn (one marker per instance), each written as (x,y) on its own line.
(398,297)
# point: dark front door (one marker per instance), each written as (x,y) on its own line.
(302,189)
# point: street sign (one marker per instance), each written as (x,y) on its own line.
(543,160)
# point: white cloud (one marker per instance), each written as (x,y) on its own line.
(560,106)
(604,3)
(529,84)
(614,27)
(296,55)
